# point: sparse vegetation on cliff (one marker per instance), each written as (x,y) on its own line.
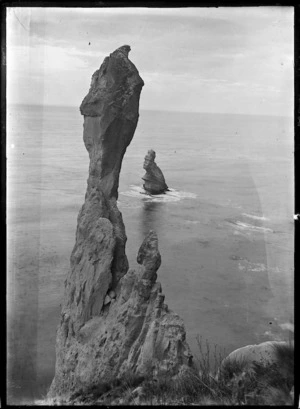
(236,385)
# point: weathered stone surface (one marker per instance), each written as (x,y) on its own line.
(112,319)
(263,354)
(137,332)
(112,294)
(260,374)
(149,256)
(107,300)
(153,178)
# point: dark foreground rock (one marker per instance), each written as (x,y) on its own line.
(266,355)
(155,183)
(113,319)
(261,374)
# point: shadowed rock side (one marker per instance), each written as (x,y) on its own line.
(154,179)
(112,319)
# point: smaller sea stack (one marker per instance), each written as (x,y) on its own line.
(155,183)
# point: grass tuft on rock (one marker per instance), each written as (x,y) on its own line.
(232,383)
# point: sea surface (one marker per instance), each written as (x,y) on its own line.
(225,229)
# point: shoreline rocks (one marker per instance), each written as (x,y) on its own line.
(155,183)
(113,318)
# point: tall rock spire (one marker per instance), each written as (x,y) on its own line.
(111,112)
(112,319)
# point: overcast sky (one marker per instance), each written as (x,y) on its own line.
(235,60)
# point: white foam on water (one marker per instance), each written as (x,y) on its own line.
(248,226)
(128,205)
(287,326)
(242,233)
(172,195)
(273,337)
(252,216)
(192,221)
(252,267)
(257,267)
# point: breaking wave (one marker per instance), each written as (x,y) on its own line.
(254,267)
(172,195)
(247,226)
(243,225)
(252,216)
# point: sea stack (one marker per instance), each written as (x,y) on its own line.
(113,319)
(155,183)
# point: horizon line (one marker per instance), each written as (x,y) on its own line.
(158,110)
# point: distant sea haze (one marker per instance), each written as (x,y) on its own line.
(225,229)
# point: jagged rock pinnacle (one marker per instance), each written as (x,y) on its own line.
(113,319)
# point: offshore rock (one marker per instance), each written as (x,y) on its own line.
(154,179)
(112,319)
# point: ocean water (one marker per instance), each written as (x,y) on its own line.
(225,229)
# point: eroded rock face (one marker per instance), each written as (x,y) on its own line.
(154,179)
(112,319)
